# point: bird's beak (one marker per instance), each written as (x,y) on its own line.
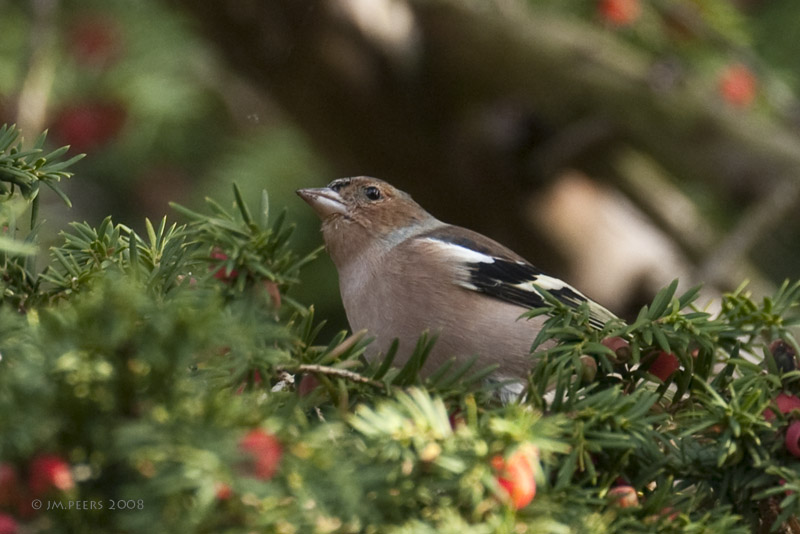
(325,201)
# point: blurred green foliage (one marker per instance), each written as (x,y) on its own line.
(183,132)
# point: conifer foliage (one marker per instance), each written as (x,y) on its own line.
(169,382)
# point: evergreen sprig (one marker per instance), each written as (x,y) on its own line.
(23,171)
(26,169)
(167,369)
(237,242)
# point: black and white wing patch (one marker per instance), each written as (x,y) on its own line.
(517,281)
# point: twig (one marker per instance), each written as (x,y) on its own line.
(35,91)
(648,185)
(333,371)
(753,226)
(346,345)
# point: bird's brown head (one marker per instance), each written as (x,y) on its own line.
(359,210)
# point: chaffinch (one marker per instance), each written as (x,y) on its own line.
(402,271)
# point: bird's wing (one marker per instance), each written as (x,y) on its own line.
(488,267)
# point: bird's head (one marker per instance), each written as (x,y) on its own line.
(360,211)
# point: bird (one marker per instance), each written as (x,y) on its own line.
(402,272)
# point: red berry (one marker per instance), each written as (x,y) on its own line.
(622,349)
(307,384)
(497,462)
(792,439)
(785,402)
(256,378)
(8,525)
(94,40)
(217,254)
(516,475)
(49,472)
(221,273)
(669,512)
(624,496)
(222,491)
(738,85)
(619,12)
(9,485)
(265,451)
(664,365)
(88,125)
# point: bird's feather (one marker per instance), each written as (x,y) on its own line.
(490,268)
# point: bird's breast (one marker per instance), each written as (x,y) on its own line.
(396,299)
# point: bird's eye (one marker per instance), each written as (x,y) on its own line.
(372,192)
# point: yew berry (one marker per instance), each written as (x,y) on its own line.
(87,125)
(94,40)
(738,85)
(664,364)
(222,273)
(307,385)
(793,439)
(621,348)
(670,513)
(785,403)
(624,496)
(516,475)
(49,472)
(8,525)
(222,491)
(619,12)
(265,451)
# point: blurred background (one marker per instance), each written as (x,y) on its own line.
(618,144)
